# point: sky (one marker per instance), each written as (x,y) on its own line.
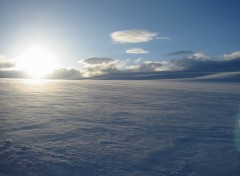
(123,32)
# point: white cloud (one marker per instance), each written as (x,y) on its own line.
(231,56)
(133,36)
(199,56)
(136,51)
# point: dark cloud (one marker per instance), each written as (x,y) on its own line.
(13,74)
(207,64)
(64,73)
(180,52)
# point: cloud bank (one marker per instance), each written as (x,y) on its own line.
(200,62)
(94,67)
(195,62)
(64,73)
(97,66)
(6,63)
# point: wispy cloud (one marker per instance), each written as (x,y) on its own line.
(163,38)
(138,60)
(96,60)
(180,52)
(136,51)
(133,36)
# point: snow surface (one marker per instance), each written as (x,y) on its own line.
(96,127)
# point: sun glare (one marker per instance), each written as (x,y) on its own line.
(37,61)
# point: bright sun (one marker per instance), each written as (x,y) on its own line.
(37,61)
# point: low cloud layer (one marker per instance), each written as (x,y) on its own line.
(64,73)
(6,63)
(133,36)
(97,66)
(150,66)
(195,62)
(201,62)
(110,67)
(136,51)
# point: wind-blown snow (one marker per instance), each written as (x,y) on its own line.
(113,128)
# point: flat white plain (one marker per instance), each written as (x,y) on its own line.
(116,128)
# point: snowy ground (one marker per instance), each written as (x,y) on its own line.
(114,128)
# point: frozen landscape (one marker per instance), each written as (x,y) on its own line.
(119,88)
(119,128)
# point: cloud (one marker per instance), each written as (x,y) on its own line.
(133,36)
(136,51)
(6,63)
(180,52)
(150,66)
(13,74)
(110,67)
(199,56)
(96,60)
(138,60)
(96,66)
(201,62)
(231,56)
(64,73)
(163,38)
(195,62)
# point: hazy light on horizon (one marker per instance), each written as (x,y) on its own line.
(37,61)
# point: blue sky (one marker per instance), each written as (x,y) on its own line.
(77,29)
